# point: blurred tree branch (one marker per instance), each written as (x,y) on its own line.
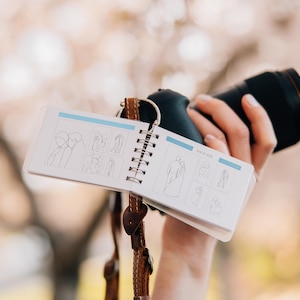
(68,250)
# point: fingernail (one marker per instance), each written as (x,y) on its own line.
(204,97)
(251,100)
(209,137)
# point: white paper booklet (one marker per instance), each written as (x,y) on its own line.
(196,184)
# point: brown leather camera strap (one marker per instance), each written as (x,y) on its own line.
(111,269)
(142,262)
(134,226)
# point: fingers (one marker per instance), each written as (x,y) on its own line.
(212,135)
(205,126)
(262,130)
(215,143)
(231,135)
(236,132)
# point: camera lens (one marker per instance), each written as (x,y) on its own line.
(279,94)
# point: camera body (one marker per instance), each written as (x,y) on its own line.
(277,92)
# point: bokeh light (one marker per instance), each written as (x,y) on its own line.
(89,55)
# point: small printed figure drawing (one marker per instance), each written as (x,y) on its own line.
(99,142)
(175,176)
(215,207)
(197,196)
(204,170)
(109,170)
(118,143)
(66,144)
(94,159)
(93,164)
(223,179)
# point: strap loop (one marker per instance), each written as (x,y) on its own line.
(132,219)
(111,269)
(149,260)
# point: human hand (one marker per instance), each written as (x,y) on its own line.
(232,136)
(184,247)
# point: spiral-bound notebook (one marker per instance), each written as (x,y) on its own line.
(200,186)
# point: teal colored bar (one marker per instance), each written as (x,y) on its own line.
(96,121)
(230,164)
(179,143)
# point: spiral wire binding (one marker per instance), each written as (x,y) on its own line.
(143,151)
(140,161)
(146,143)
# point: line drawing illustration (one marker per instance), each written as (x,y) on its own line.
(95,156)
(99,142)
(66,143)
(223,179)
(196,199)
(102,144)
(93,163)
(110,166)
(175,176)
(215,206)
(118,144)
(204,171)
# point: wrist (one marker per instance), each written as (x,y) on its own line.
(187,246)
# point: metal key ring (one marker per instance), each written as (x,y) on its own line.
(158,114)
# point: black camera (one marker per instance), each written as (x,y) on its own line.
(278,93)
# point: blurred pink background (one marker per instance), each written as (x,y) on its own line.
(89,55)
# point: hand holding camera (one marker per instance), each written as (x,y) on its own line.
(185,248)
(277,92)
